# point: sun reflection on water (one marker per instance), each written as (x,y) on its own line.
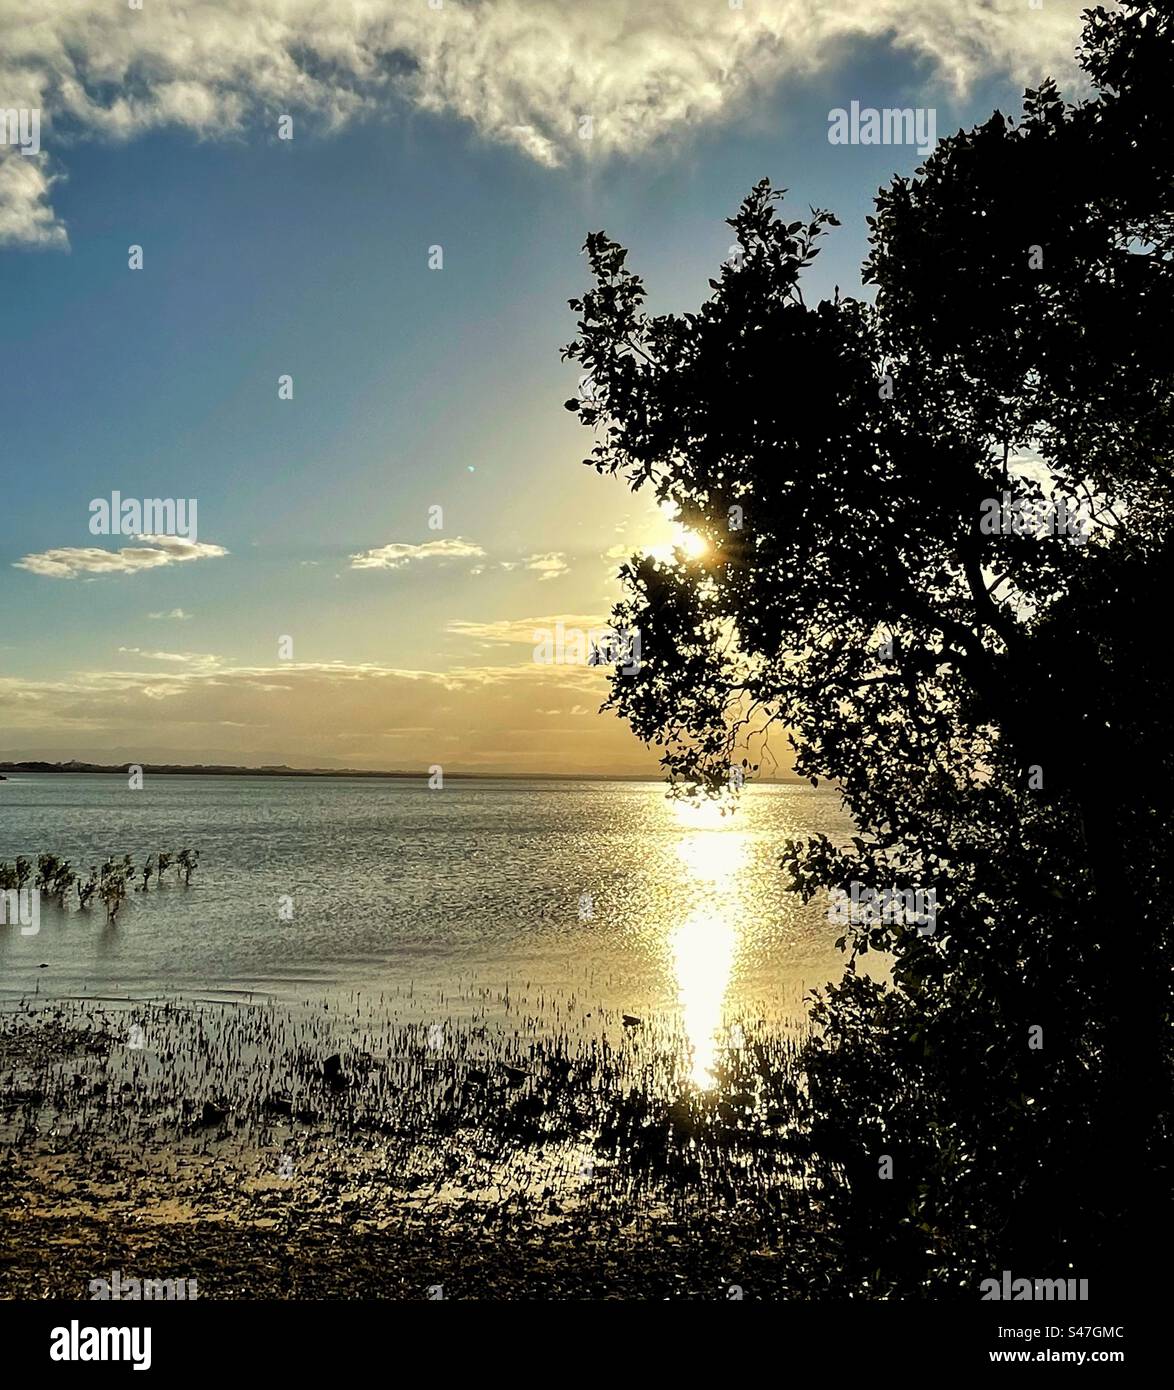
(705,945)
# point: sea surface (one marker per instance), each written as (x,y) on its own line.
(313,889)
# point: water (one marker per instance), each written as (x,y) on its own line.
(406,892)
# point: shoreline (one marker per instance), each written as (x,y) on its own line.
(240,1149)
(36,767)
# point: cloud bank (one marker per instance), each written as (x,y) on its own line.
(196,708)
(555,79)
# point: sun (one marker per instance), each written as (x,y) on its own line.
(679,538)
(691,543)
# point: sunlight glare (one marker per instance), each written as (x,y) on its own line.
(705,945)
(680,537)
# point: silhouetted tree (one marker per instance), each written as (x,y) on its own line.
(186,864)
(115,881)
(87,889)
(17,874)
(55,876)
(993,703)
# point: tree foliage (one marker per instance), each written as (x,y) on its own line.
(994,707)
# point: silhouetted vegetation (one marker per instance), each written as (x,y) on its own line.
(993,706)
(54,876)
(348,1121)
(111,883)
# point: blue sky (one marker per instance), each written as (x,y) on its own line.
(412,387)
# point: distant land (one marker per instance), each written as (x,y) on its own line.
(283,770)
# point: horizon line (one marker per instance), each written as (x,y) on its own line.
(81,766)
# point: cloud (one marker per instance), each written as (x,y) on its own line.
(548,566)
(521,72)
(520,631)
(399,553)
(67,562)
(204,661)
(323,714)
(26,217)
(174,615)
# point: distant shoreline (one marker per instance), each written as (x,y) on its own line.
(230,770)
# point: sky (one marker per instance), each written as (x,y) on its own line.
(403,262)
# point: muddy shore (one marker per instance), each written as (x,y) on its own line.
(317,1157)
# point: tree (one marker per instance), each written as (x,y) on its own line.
(115,881)
(186,863)
(991,702)
(55,876)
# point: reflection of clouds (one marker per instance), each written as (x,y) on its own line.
(706,944)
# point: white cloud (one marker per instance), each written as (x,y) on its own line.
(548,566)
(521,72)
(400,553)
(203,661)
(174,615)
(520,631)
(67,562)
(26,217)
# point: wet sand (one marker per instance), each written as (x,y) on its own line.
(549,1152)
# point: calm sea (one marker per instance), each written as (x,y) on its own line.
(606,891)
